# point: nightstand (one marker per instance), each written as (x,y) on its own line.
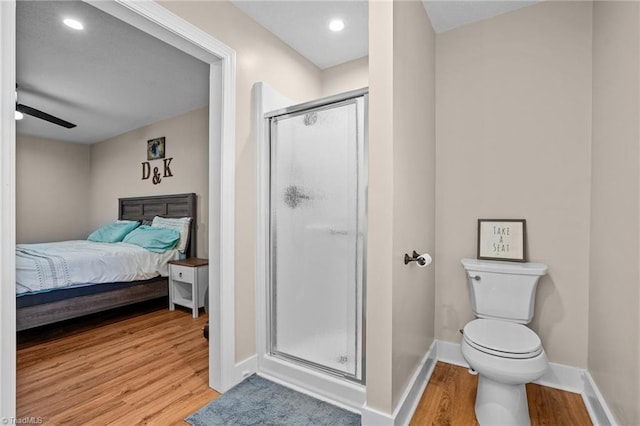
(188,282)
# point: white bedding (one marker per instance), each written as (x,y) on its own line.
(47,266)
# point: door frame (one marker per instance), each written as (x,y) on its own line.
(161,23)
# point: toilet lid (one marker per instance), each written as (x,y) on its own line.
(502,338)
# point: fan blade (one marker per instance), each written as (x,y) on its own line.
(44,116)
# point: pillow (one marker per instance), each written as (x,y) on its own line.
(112,233)
(127,221)
(152,238)
(180,224)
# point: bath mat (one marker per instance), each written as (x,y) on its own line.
(258,401)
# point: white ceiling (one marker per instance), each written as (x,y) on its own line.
(108,79)
(111,78)
(450,14)
(303,24)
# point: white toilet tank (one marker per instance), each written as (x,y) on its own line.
(503,290)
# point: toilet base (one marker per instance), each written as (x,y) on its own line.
(501,404)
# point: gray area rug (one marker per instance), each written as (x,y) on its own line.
(257,401)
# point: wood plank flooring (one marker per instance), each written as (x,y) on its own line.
(149,366)
(121,369)
(450,396)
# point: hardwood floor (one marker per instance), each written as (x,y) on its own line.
(122,369)
(128,368)
(450,395)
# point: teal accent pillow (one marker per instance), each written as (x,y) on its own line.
(112,233)
(153,238)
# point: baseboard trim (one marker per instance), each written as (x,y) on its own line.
(244,369)
(413,393)
(410,398)
(306,391)
(372,417)
(563,377)
(450,353)
(336,390)
(595,403)
(558,376)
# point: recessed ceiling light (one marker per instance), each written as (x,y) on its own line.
(72,23)
(18,115)
(336,25)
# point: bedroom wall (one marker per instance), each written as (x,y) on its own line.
(513,131)
(52,189)
(116,168)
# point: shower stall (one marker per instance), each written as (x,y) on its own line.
(317,236)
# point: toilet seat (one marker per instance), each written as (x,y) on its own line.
(502,339)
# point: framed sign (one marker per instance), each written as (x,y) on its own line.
(502,239)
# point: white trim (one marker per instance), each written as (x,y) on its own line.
(264,99)
(595,403)
(410,398)
(304,390)
(558,376)
(371,416)
(245,368)
(7,213)
(450,353)
(262,173)
(155,19)
(333,389)
(563,377)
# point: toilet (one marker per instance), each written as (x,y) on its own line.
(498,345)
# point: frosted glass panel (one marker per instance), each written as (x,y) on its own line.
(316,240)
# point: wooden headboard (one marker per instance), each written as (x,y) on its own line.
(177,205)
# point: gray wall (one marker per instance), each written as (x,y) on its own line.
(400,299)
(52,190)
(614,294)
(513,108)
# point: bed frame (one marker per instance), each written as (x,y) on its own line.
(135,208)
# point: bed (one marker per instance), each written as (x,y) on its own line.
(41,308)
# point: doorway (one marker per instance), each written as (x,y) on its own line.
(157,21)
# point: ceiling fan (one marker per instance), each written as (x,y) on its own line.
(41,114)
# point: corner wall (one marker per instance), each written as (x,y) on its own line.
(380,209)
(52,189)
(400,299)
(414,188)
(341,78)
(513,124)
(614,301)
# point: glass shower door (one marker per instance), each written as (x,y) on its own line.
(317,238)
